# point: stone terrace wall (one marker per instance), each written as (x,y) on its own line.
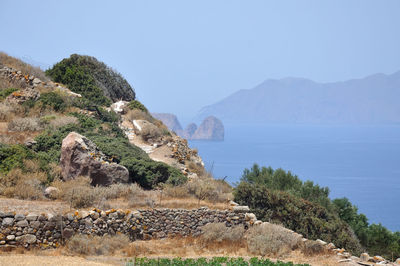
(51,230)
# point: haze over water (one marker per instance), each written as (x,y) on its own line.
(361,163)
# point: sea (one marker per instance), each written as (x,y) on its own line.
(361,163)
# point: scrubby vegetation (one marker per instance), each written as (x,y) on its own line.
(92,79)
(280,197)
(216,261)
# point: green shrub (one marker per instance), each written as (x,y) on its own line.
(92,79)
(307,218)
(135,104)
(12,156)
(148,173)
(53,100)
(281,180)
(5,92)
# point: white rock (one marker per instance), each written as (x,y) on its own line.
(241,208)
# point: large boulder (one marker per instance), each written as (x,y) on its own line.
(210,129)
(81,157)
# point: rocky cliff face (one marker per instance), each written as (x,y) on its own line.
(170,120)
(210,129)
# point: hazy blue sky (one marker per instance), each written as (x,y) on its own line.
(182,55)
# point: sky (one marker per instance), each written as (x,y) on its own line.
(181,55)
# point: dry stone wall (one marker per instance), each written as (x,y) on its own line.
(52,230)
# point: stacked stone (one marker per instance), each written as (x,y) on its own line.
(51,230)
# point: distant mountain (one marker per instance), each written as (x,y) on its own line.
(374,99)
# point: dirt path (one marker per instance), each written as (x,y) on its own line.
(28,206)
(19,260)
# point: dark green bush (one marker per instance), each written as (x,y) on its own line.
(92,79)
(281,180)
(12,156)
(5,92)
(305,217)
(53,100)
(135,104)
(148,173)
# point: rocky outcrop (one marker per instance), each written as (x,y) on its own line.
(29,85)
(170,120)
(120,107)
(80,156)
(210,129)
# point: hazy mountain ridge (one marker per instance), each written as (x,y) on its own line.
(372,99)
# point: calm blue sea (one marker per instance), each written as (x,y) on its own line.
(361,163)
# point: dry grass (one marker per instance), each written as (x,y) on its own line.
(25,124)
(80,194)
(203,188)
(217,236)
(272,239)
(96,245)
(312,247)
(25,68)
(137,114)
(24,185)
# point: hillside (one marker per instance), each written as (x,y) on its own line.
(90,175)
(372,99)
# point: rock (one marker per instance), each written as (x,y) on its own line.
(68,233)
(120,107)
(397,261)
(51,192)
(23,223)
(323,243)
(232,203)
(8,221)
(170,120)
(29,239)
(23,95)
(10,237)
(330,246)
(19,217)
(80,156)
(250,217)
(378,259)
(364,257)
(210,129)
(36,81)
(241,208)
(148,131)
(189,131)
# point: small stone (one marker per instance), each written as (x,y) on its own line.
(31,217)
(19,217)
(378,259)
(68,233)
(2,242)
(10,237)
(364,257)
(35,224)
(8,221)
(23,223)
(397,261)
(51,192)
(241,208)
(319,241)
(330,246)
